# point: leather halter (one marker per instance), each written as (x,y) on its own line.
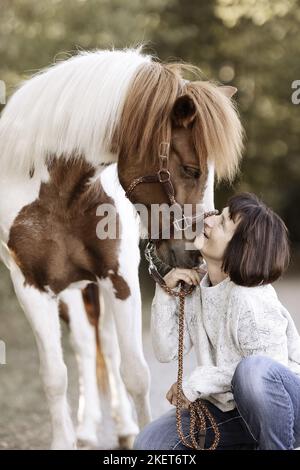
(163,176)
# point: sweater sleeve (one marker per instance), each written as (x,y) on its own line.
(208,380)
(164,325)
(262,329)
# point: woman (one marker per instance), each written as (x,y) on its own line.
(247,346)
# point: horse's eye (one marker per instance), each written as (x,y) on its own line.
(191,172)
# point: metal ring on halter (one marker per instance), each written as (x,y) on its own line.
(163,172)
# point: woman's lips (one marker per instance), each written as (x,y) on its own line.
(209,214)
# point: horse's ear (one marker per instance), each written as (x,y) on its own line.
(184,111)
(228,91)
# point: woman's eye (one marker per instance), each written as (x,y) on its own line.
(191,172)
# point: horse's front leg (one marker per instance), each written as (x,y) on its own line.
(122,411)
(41,311)
(134,368)
(83,338)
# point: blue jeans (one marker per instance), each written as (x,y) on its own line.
(266,417)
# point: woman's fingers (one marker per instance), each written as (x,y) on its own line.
(185,404)
(169,396)
(202,270)
(172,398)
(184,277)
(188,275)
(196,277)
(171,279)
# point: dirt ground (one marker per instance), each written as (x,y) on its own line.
(24,418)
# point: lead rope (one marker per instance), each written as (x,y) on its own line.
(199,412)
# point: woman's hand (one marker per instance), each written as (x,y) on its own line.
(172,397)
(190,276)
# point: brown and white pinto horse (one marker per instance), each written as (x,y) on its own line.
(56,132)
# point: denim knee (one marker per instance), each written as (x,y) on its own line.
(141,441)
(160,434)
(249,377)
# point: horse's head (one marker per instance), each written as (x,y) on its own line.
(183,129)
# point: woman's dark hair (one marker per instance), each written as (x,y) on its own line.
(258,252)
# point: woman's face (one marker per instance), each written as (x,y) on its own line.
(218,231)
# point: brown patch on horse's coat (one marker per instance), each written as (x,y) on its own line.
(63,311)
(54,239)
(122,290)
(90,296)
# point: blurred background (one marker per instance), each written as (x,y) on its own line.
(251,44)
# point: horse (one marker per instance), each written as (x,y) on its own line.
(56,133)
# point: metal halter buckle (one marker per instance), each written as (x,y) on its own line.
(164,148)
(161,172)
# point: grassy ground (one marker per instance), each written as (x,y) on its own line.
(24,418)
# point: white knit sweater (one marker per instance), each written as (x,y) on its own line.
(224,323)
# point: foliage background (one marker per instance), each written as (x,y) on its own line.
(252,44)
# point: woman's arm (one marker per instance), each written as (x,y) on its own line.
(164,317)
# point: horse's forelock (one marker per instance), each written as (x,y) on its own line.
(146,117)
(217,130)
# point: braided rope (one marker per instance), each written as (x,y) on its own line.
(199,412)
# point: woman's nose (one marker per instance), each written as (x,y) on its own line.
(210,221)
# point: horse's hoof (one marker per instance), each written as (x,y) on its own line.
(126,442)
(58,445)
(87,438)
